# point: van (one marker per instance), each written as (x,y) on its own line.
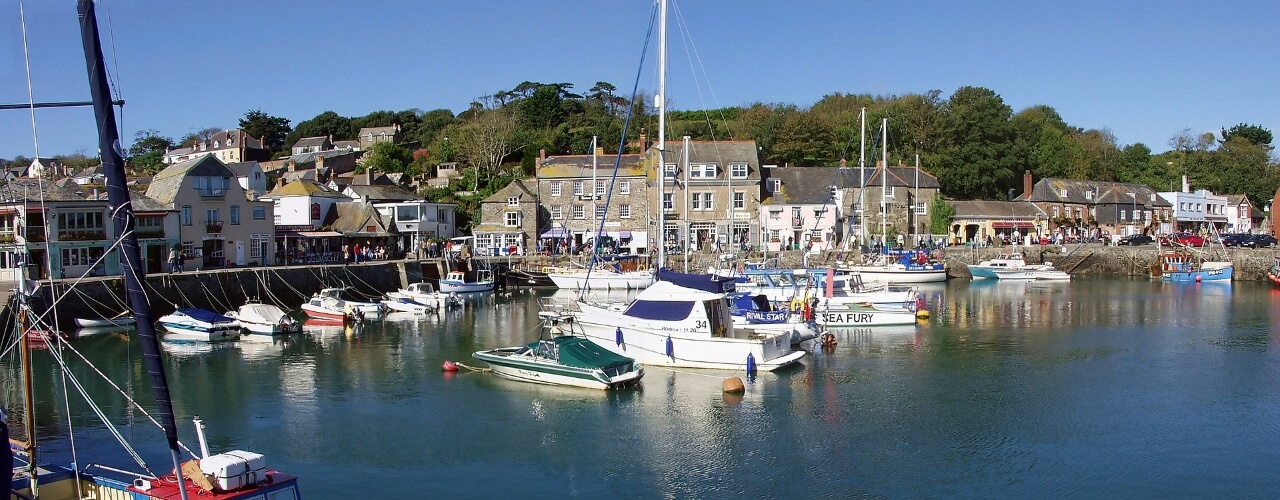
(456,245)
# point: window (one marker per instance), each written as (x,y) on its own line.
(696,201)
(235,215)
(667,204)
(775,235)
(258,242)
(739,170)
(795,212)
(189,249)
(1121,214)
(624,187)
(186,215)
(579,212)
(211,215)
(700,171)
(600,211)
(1062,193)
(259,213)
(577,188)
(600,189)
(708,201)
(555,188)
(922,209)
(624,211)
(776,183)
(1079,212)
(739,200)
(556,211)
(1055,212)
(1088,195)
(513,201)
(670,170)
(83,256)
(513,219)
(888,192)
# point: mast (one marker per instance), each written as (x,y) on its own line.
(122,215)
(595,202)
(662,134)
(884,185)
(915,214)
(688,236)
(862,183)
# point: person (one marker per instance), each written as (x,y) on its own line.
(901,241)
(182,262)
(173,260)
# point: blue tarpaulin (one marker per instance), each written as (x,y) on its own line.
(205,316)
(705,282)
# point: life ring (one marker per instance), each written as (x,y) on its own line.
(797,305)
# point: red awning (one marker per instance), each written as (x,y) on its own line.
(1012,225)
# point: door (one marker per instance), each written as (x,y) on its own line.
(155,259)
(239,253)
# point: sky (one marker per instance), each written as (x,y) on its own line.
(1145,70)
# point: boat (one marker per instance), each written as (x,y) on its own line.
(235,475)
(865,315)
(1013,274)
(1188,266)
(400,303)
(682,320)
(1016,260)
(902,266)
(463,282)
(563,359)
(623,272)
(518,276)
(424,293)
(115,322)
(1273,274)
(191,323)
(264,320)
(758,312)
(1052,275)
(329,304)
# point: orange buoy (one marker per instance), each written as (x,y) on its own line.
(733,385)
(449,366)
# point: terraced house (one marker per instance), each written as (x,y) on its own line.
(574,191)
(220,224)
(1092,208)
(709,197)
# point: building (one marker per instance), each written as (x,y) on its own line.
(250,176)
(362,226)
(977,220)
(1242,216)
(369,136)
(800,210)
(419,222)
(228,146)
(1194,211)
(508,220)
(883,202)
(1092,208)
(312,145)
(576,194)
(300,209)
(709,197)
(220,224)
(49,168)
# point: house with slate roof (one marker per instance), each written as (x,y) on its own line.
(509,219)
(361,226)
(220,224)
(250,176)
(893,200)
(711,199)
(976,220)
(1090,208)
(228,146)
(369,136)
(800,210)
(312,145)
(1242,216)
(575,195)
(49,168)
(301,209)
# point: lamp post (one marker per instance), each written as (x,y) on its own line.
(1133,207)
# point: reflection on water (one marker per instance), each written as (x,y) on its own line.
(1089,388)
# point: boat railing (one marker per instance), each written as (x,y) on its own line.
(557,305)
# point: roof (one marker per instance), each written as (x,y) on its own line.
(305,187)
(899,176)
(722,153)
(1052,189)
(352,218)
(383,193)
(307,142)
(362,179)
(346,144)
(164,186)
(144,203)
(311,157)
(802,185)
(579,166)
(1237,199)
(242,169)
(29,189)
(516,188)
(985,209)
(389,130)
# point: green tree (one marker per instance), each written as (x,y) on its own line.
(387,157)
(975,155)
(1253,133)
(146,155)
(324,124)
(941,214)
(271,129)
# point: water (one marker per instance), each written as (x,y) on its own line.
(1087,389)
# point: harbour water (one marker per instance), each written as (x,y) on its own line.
(1095,388)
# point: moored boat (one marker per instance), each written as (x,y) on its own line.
(191,323)
(264,320)
(118,321)
(424,293)
(402,303)
(329,304)
(463,282)
(902,266)
(1186,266)
(865,315)
(563,360)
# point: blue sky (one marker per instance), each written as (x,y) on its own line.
(1146,70)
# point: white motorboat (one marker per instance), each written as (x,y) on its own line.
(264,320)
(758,313)
(329,304)
(424,293)
(463,282)
(199,324)
(116,322)
(682,320)
(902,266)
(402,303)
(1052,275)
(1011,261)
(1012,274)
(865,315)
(563,360)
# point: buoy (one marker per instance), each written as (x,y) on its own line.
(751,364)
(618,335)
(671,349)
(1197,278)
(449,366)
(922,314)
(733,385)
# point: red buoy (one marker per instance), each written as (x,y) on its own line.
(449,366)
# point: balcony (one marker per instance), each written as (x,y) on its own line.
(35,234)
(82,235)
(8,238)
(213,227)
(797,222)
(212,194)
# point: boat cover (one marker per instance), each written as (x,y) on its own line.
(260,313)
(705,282)
(579,352)
(205,316)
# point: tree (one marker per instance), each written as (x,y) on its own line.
(146,155)
(1253,133)
(941,214)
(487,141)
(324,124)
(199,136)
(271,129)
(387,157)
(975,160)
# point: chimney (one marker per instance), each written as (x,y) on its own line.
(293,167)
(542,156)
(368,177)
(1186,185)
(280,181)
(843,163)
(319,163)
(1026,185)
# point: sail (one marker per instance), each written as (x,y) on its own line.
(122,215)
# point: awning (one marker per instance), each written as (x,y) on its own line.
(1012,225)
(624,234)
(319,234)
(556,233)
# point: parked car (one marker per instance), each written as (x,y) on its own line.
(1234,239)
(1136,239)
(1185,239)
(1259,241)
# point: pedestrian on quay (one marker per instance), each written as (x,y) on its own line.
(173,260)
(182,262)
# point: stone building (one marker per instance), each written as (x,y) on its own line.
(581,195)
(508,220)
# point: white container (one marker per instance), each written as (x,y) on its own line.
(235,469)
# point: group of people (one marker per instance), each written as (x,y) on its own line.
(177,261)
(361,253)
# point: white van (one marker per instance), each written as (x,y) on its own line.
(459,242)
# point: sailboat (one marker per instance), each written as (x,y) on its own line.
(239,475)
(601,274)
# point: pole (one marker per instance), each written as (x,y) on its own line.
(915,214)
(662,135)
(862,184)
(687,225)
(884,183)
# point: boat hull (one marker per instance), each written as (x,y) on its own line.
(506,364)
(864,316)
(105,323)
(603,280)
(447,286)
(178,332)
(1198,276)
(882,274)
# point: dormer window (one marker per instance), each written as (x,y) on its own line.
(513,201)
(777,185)
(1062,192)
(1088,195)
